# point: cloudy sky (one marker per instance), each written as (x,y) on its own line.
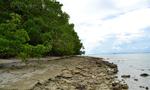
(107,26)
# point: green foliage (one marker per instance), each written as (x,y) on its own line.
(31,51)
(12,37)
(23,57)
(35,28)
(39,50)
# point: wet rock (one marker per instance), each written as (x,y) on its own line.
(126,76)
(115,77)
(116,88)
(112,71)
(144,75)
(147,88)
(141,86)
(142,69)
(115,70)
(124,86)
(111,65)
(117,85)
(135,79)
(144,87)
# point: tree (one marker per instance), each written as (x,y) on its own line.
(12,37)
(35,28)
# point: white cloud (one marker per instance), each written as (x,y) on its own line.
(95,20)
(129,22)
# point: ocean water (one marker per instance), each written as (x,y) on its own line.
(131,64)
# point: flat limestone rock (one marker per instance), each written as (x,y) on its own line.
(71,73)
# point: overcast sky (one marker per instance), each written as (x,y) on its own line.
(111,25)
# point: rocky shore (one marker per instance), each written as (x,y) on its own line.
(67,73)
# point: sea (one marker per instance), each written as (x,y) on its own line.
(133,64)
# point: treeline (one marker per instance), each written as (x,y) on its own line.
(36,28)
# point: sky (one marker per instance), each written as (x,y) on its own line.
(111,26)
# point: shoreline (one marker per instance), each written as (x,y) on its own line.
(64,73)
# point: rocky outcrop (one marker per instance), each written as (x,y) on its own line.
(74,73)
(91,74)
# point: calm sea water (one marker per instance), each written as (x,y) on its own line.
(131,64)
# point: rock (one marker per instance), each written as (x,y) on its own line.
(80,87)
(144,87)
(135,79)
(144,75)
(115,70)
(99,63)
(141,86)
(147,88)
(67,81)
(80,67)
(124,86)
(93,76)
(76,71)
(84,74)
(111,65)
(111,77)
(117,85)
(38,83)
(126,76)
(122,81)
(112,71)
(66,74)
(142,69)
(75,74)
(115,76)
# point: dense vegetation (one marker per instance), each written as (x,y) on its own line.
(35,28)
